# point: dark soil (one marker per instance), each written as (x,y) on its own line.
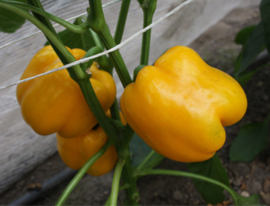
(217,47)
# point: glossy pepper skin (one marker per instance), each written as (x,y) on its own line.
(54,102)
(76,151)
(180,105)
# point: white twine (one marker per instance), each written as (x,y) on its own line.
(54,25)
(105,52)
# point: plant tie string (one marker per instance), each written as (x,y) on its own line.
(55,25)
(176,9)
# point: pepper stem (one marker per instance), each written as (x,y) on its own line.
(149,8)
(121,21)
(116,181)
(96,21)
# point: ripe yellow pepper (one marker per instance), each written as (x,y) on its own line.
(54,102)
(180,105)
(76,151)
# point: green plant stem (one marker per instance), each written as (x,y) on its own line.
(92,101)
(121,21)
(96,39)
(96,21)
(116,182)
(90,52)
(75,70)
(107,203)
(104,63)
(126,135)
(74,28)
(115,56)
(149,8)
(132,193)
(129,181)
(81,173)
(146,159)
(185,174)
(115,110)
(36,4)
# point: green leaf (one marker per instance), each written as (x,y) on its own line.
(253,47)
(265,15)
(243,35)
(140,1)
(245,77)
(9,21)
(211,168)
(250,141)
(139,149)
(251,200)
(74,40)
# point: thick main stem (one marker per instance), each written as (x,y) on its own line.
(132,193)
(116,181)
(92,101)
(121,21)
(148,12)
(96,21)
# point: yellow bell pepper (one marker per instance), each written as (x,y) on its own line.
(76,151)
(180,105)
(54,102)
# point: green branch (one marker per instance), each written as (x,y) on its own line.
(121,21)
(149,8)
(132,193)
(81,173)
(103,60)
(185,174)
(96,21)
(37,4)
(146,159)
(116,181)
(74,28)
(75,71)
(92,101)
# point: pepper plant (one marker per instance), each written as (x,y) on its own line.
(203,99)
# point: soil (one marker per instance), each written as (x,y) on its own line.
(217,47)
